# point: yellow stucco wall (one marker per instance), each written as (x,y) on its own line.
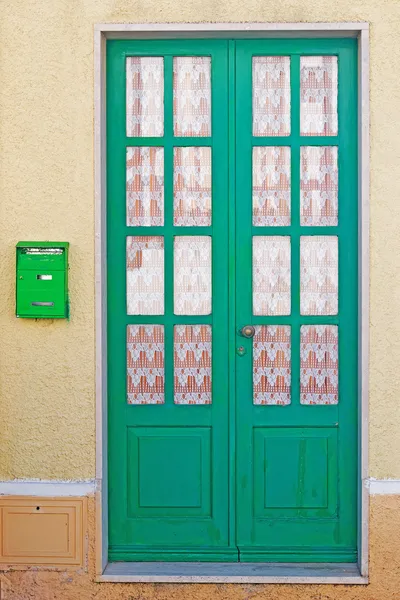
(47,192)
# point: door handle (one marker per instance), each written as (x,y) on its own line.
(247,331)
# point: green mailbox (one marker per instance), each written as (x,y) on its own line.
(42,280)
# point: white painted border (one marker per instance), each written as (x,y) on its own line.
(102,32)
(53,489)
(135,30)
(363,296)
(101,546)
(383,487)
(283,28)
(38,487)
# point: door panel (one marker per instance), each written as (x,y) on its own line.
(167,298)
(296,282)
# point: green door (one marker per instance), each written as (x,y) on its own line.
(232,300)
(167,332)
(296,261)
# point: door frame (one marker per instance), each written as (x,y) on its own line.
(103,32)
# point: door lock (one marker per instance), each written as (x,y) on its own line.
(247,331)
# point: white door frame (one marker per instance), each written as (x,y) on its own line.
(102,32)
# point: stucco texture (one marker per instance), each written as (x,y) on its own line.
(80,585)
(47,192)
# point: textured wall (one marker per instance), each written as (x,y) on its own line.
(79,585)
(46,192)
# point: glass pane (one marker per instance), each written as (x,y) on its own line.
(319,185)
(271,364)
(192,186)
(271,186)
(145,275)
(192,96)
(319,275)
(144,186)
(192,275)
(192,364)
(271,275)
(145,364)
(318,95)
(144,96)
(319,380)
(271,95)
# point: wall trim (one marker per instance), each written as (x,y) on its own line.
(373,486)
(363,297)
(174,30)
(105,31)
(48,489)
(383,487)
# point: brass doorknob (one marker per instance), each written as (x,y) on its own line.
(247,331)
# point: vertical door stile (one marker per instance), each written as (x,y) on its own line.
(295,223)
(232,290)
(168,232)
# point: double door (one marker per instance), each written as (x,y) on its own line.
(232,300)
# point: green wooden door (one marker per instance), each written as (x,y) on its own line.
(167,248)
(232,201)
(296,262)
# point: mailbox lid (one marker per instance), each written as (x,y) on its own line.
(52,256)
